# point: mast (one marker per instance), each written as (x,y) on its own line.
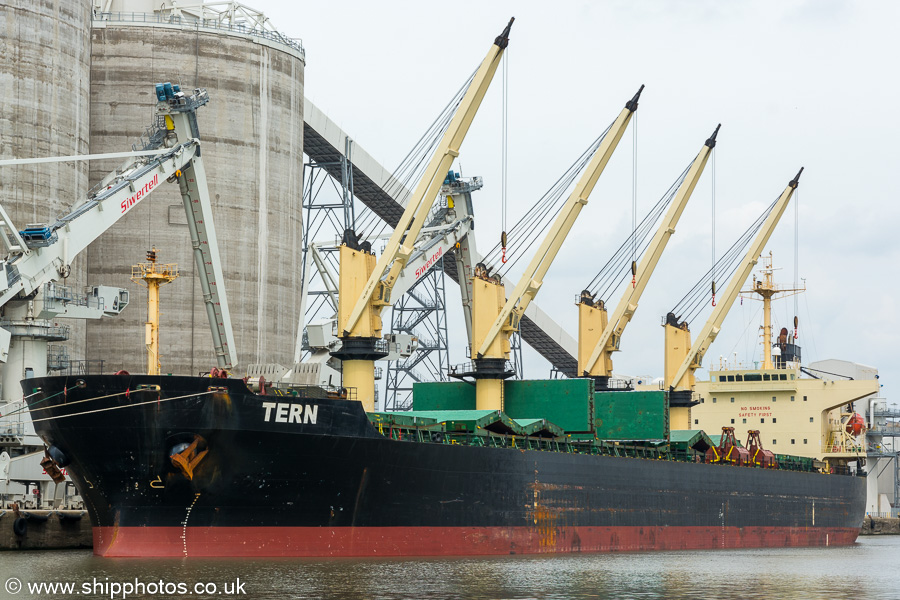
(154,276)
(768,290)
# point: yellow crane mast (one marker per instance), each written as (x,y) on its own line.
(599,335)
(682,359)
(153,275)
(366,284)
(768,290)
(495,318)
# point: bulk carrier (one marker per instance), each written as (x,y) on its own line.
(215,466)
(309,473)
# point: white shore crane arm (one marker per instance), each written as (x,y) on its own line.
(533,278)
(628,304)
(711,328)
(379,287)
(44,252)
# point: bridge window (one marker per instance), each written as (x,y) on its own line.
(766,376)
(731,378)
(739,377)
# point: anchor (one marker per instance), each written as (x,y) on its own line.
(188,459)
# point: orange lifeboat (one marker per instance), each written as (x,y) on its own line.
(856,425)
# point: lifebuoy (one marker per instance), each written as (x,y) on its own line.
(20,526)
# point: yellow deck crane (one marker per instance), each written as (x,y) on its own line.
(600,335)
(494,318)
(365,286)
(683,359)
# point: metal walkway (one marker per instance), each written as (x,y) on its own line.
(323,141)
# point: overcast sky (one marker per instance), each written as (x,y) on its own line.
(794,83)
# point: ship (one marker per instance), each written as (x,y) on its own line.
(173,466)
(176,466)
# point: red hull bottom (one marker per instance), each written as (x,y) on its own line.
(445,541)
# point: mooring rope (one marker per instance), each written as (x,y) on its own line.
(28,406)
(99,410)
(125,393)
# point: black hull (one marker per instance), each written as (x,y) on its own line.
(338,474)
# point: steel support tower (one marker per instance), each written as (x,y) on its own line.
(421,312)
(328,205)
(328,211)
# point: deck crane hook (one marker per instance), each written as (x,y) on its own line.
(503,246)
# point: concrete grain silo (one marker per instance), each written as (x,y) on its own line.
(252,148)
(44,112)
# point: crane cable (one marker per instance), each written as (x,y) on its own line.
(796,260)
(614,271)
(713,228)
(690,305)
(411,168)
(530,227)
(634,171)
(504,156)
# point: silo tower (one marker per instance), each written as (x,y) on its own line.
(252,136)
(44,86)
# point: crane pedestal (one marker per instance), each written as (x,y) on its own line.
(358,356)
(362,345)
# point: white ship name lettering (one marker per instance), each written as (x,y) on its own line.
(290,413)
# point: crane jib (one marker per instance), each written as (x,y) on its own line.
(127,203)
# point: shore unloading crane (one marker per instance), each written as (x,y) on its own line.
(366,286)
(494,317)
(42,253)
(682,358)
(599,335)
